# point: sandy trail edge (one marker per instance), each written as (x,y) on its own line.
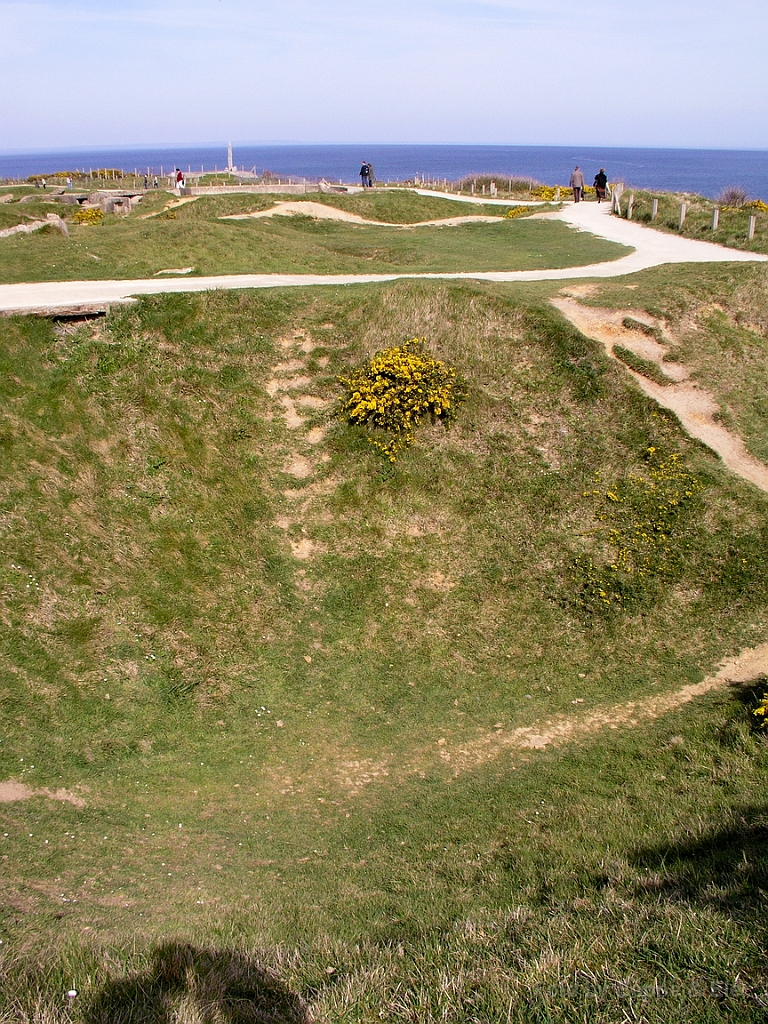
(695,407)
(746,667)
(320,211)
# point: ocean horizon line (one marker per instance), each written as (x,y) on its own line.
(136,147)
(701,171)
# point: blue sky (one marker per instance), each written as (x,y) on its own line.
(511,72)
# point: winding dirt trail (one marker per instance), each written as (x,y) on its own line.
(695,407)
(319,211)
(748,666)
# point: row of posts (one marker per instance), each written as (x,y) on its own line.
(683,211)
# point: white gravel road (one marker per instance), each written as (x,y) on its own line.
(651,248)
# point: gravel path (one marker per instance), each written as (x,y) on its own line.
(652,248)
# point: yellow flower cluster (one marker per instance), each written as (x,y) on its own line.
(89,216)
(399,388)
(549,192)
(516,211)
(761,712)
(642,513)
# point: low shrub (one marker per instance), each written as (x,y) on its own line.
(734,196)
(92,215)
(503,182)
(396,390)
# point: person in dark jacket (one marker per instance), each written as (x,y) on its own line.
(364,175)
(601,181)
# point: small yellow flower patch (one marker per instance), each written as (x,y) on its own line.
(399,388)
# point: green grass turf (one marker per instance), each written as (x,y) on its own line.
(193,235)
(260,738)
(718,319)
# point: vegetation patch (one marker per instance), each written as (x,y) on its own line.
(396,390)
(648,520)
(88,216)
(760,713)
(289,704)
(645,367)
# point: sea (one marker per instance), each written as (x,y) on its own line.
(702,171)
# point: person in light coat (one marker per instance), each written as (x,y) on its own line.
(577,184)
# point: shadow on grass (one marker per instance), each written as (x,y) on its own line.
(726,869)
(189,985)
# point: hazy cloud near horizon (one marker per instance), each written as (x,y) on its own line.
(625,72)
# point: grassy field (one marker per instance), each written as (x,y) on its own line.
(193,235)
(731,231)
(274,680)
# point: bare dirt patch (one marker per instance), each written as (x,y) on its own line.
(749,665)
(300,467)
(303,548)
(311,402)
(694,406)
(11,792)
(292,418)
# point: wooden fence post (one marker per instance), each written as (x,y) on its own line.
(683,211)
(557,194)
(654,209)
(630,205)
(716,218)
(751,228)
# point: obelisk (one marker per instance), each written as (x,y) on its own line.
(229,157)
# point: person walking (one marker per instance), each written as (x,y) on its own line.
(601,183)
(577,184)
(364,175)
(371,177)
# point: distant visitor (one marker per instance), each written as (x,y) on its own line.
(577,184)
(364,175)
(601,183)
(370,175)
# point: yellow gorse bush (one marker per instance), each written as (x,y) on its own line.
(549,192)
(397,390)
(89,216)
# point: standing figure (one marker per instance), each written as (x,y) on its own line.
(601,181)
(146,181)
(155,183)
(179,179)
(364,175)
(577,184)
(371,178)
(69,182)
